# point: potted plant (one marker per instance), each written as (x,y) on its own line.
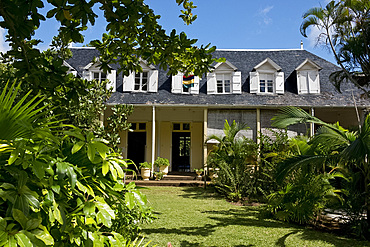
(198,172)
(162,164)
(158,175)
(145,170)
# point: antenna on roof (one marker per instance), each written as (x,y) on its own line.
(301,45)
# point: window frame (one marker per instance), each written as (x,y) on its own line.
(264,76)
(223,84)
(141,81)
(100,75)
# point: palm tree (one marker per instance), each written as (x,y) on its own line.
(344,27)
(331,144)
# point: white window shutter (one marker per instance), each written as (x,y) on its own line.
(112,80)
(86,74)
(314,82)
(195,89)
(211,83)
(254,81)
(153,81)
(302,82)
(279,80)
(176,83)
(128,82)
(237,82)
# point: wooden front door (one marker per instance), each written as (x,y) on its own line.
(136,146)
(181,151)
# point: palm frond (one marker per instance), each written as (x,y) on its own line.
(18,119)
(292,164)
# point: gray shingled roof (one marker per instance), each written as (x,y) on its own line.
(244,60)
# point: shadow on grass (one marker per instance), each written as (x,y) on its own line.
(189,244)
(200,193)
(245,216)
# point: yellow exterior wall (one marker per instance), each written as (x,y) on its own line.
(179,114)
(165,140)
(196,151)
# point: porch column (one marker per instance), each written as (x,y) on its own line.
(258,132)
(153,139)
(312,125)
(205,130)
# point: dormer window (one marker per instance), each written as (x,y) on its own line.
(93,72)
(185,84)
(99,76)
(308,81)
(267,78)
(142,81)
(224,79)
(266,83)
(223,82)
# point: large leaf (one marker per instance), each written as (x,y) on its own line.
(23,240)
(105,213)
(43,234)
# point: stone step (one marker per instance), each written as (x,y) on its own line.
(174,183)
(180,177)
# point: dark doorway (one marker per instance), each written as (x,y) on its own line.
(181,151)
(136,148)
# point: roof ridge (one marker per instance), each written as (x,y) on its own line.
(260,49)
(81,47)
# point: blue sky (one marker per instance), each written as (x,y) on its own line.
(232,24)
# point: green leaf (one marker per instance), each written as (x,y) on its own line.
(12,242)
(39,169)
(77,146)
(105,214)
(101,148)
(89,208)
(23,240)
(19,216)
(91,152)
(130,200)
(118,169)
(43,234)
(7,186)
(75,134)
(33,224)
(13,156)
(2,224)
(56,213)
(90,221)
(56,188)
(105,167)
(72,176)
(113,172)
(3,238)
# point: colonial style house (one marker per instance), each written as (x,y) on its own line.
(174,114)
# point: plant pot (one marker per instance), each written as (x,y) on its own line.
(164,170)
(145,173)
(199,174)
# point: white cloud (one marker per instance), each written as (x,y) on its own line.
(4,46)
(263,13)
(313,36)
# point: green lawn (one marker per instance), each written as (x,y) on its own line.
(189,217)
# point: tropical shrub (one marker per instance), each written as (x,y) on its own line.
(60,187)
(334,147)
(235,159)
(303,199)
